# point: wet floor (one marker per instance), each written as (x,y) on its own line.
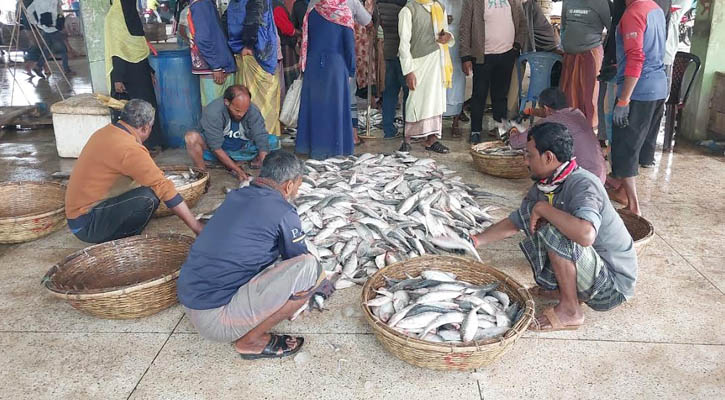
(667,342)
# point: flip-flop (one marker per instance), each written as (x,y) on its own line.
(438,147)
(554,322)
(276,343)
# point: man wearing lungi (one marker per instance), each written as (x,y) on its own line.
(232,131)
(426,64)
(576,243)
(250,269)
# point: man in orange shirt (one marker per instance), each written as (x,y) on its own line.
(115,186)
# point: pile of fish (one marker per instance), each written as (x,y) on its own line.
(437,307)
(499,151)
(361,213)
(182,178)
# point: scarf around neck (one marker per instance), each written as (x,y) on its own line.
(335,11)
(438,17)
(552,183)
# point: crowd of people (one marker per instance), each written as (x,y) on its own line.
(250,268)
(415,56)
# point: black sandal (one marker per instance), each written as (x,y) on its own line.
(463,117)
(438,147)
(273,347)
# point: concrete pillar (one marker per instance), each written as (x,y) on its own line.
(708,43)
(93,13)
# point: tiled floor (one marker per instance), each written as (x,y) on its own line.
(668,342)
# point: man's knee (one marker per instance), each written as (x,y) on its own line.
(192,139)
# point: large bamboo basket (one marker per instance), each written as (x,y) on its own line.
(642,230)
(443,356)
(30,210)
(127,278)
(503,166)
(191,193)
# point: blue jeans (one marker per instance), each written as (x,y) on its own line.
(394,80)
(247,152)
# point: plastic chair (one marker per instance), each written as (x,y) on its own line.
(676,102)
(541,64)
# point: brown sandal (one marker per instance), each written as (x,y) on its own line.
(555,323)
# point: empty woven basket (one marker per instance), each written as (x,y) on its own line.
(30,210)
(642,230)
(127,278)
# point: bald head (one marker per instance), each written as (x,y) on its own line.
(237,99)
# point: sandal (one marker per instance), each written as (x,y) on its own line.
(276,348)
(555,323)
(455,131)
(438,147)
(463,117)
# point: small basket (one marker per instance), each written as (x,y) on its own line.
(641,230)
(191,193)
(503,166)
(127,278)
(443,356)
(30,210)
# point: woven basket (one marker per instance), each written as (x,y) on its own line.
(30,210)
(443,356)
(191,193)
(127,278)
(503,166)
(641,230)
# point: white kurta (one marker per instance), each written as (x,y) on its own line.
(455,95)
(429,97)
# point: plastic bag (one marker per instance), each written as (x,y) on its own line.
(291,105)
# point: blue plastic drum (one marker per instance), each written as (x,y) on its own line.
(177,94)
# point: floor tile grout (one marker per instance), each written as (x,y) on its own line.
(623,341)
(691,265)
(154,359)
(480,391)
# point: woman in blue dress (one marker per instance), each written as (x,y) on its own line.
(324,127)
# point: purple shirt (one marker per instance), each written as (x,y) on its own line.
(586,145)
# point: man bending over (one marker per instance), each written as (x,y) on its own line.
(232,285)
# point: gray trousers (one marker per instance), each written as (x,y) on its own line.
(257,300)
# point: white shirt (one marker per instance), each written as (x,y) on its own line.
(40,7)
(500,30)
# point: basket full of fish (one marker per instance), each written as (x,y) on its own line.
(190,182)
(361,213)
(446,312)
(499,159)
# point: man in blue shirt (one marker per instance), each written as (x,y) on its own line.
(232,131)
(250,269)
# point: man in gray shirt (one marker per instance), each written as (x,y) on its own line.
(232,131)
(582,24)
(576,243)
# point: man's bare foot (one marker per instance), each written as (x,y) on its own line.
(558,318)
(256,345)
(618,195)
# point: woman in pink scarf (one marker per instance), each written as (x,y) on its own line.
(324,127)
